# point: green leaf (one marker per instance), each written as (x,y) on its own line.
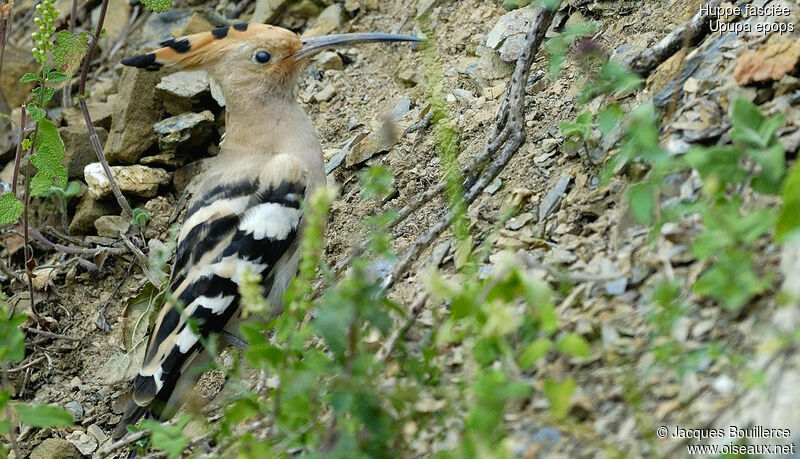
(48,94)
(608,117)
(30,78)
(574,344)
(43,415)
(36,113)
(533,352)
(140,218)
(10,209)
(169,439)
(559,395)
(746,120)
(47,159)
(158,6)
(719,162)
(732,281)
(69,51)
(13,339)
(72,190)
(773,167)
(641,198)
(789,219)
(57,77)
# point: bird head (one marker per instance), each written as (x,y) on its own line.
(257,58)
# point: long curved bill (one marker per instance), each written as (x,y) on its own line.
(313,45)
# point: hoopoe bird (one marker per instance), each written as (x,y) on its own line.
(246,213)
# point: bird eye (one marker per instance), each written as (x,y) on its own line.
(262,57)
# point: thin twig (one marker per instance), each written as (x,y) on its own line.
(143,262)
(36,331)
(416,310)
(75,250)
(123,442)
(123,203)
(27,365)
(18,156)
(512,119)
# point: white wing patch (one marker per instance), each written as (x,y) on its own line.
(232,267)
(271,220)
(233,206)
(186,339)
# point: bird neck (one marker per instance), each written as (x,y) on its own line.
(267,126)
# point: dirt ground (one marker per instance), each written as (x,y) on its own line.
(621,399)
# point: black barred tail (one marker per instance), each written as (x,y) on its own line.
(131,416)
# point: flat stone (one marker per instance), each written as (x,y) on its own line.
(329,21)
(138,180)
(112,225)
(16,62)
(55,448)
(75,409)
(117,16)
(100,112)
(89,210)
(184,91)
(553,197)
(328,60)
(197,23)
(78,148)
(189,129)
(186,175)
(325,94)
(86,444)
(362,151)
(136,110)
(512,24)
(97,433)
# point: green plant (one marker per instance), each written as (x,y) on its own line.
(12,350)
(58,56)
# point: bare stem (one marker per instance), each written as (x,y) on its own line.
(18,157)
(98,149)
(5,13)
(66,96)
(75,250)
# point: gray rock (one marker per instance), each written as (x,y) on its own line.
(135,111)
(97,433)
(159,27)
(89,210)
(328,60)
(86,444)
(186,175)
(78,148)
(117,16)
(75,409)
(55,448)
(139,180)
(553,197)
(112,225)
(508,35)
(184,91)
(329,21)
(100,112)
(325,94)
(186,129)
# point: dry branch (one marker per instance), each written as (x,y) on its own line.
(507,137)
(689,33)
(123,203)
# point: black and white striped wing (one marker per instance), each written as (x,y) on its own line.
(247,225)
